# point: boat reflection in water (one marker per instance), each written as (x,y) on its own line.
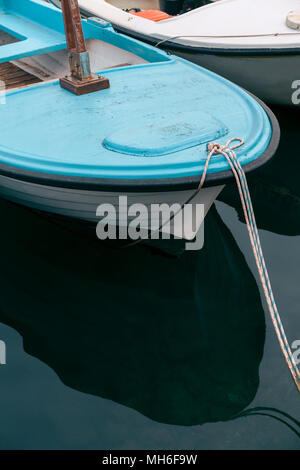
(178,339)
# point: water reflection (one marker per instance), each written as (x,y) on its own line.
(276,414)
(178,339)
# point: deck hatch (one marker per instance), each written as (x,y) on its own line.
(168,135)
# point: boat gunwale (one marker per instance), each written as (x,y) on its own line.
(146,184)
(169,45)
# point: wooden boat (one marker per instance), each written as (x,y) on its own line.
(253,43)
(144,137)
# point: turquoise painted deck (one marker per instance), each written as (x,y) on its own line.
(154,121)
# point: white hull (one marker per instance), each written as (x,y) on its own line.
(82,204)
(271,78)
(246,41)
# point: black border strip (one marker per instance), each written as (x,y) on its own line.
(175,46)
(145,185)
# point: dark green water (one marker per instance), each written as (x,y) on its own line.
(133,349)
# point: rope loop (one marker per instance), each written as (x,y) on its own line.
(228,151)
(216,148)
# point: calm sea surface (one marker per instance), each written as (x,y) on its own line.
(134,349)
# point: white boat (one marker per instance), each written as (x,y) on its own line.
(253,43)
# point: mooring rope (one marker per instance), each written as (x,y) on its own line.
(238,172)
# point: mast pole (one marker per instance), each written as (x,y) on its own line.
(81,80)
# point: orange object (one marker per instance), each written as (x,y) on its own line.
(152,15)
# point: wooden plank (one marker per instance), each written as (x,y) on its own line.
(14,77)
